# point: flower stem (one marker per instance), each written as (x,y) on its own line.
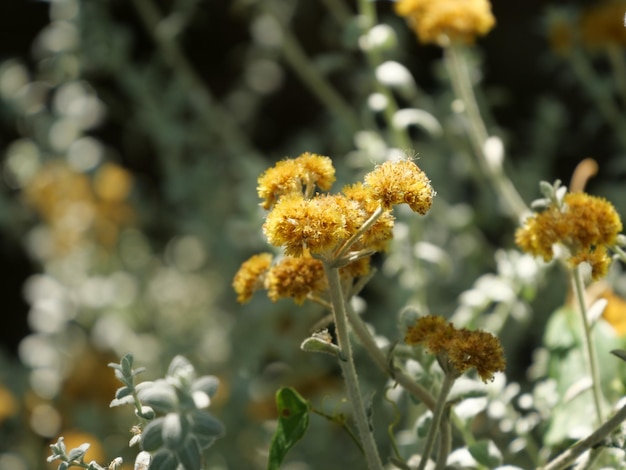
(446,386)
(457,67)
(348,368)
(588,341)
(571,454)
(368,342)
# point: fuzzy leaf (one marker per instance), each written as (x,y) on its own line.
(190,454)
(293,421)
(164,460)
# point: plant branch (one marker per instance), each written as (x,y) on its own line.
(348,368)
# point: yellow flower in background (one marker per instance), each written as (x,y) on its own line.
(250,276)
(458,20)
(458,350)
(296,278)
(585,225)
(400,182)
(9,405)
(295,176)
(76,208)
(603,24)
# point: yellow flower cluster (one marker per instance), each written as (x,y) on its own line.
(458,20)
(458,350)
(586,225)
(76,207)
(347,227)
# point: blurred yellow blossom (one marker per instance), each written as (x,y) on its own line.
(74,438)
(75,208)
(603,24)
(458,350)
(8,404)
(250,276)
(458,20)
(585,225)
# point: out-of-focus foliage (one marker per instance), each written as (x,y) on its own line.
(130,183)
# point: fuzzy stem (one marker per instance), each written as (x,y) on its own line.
(457,66)
(571,454)
(347,367)
(309,74)
(366,225)
(445,444)
(446,386)
(367,341)
(579,289)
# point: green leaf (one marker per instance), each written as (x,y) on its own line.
(293,421)
(152,435)
(127,364)
(486,453)
(164,460)
(190,455)
(205,427)
(78,453)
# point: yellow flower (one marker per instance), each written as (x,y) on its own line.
(250,276)
(585,225)
(377,236)
(459,20)
(295,175)
(318,225)
(296,278)
(400,182)
(458,350)
(603,25)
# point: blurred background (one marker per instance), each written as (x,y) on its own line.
(131,137)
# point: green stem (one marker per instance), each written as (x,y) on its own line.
(570,455)
(445,444)
(616,58)
(400,136)
(342,424)
(369,344)
(579,290)
(600,94)
(364,228)
(446,386)
(201,98)
(306,71)
(348,368)
(460,78)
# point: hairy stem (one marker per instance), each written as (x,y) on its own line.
(460,78)
(347,367)
(592,360)
(446,386)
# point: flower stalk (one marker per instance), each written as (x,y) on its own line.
(348,369)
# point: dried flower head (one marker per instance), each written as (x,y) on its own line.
(297,278)
(295,176)
(584,224)
(400,182)
(458,20)
(250,276)
(458,350)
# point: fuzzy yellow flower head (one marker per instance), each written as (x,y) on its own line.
(250,276)
(319,224)
(458,350)
(584,224)
(297,278)
(295,175)
(400,182)
(458,20)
